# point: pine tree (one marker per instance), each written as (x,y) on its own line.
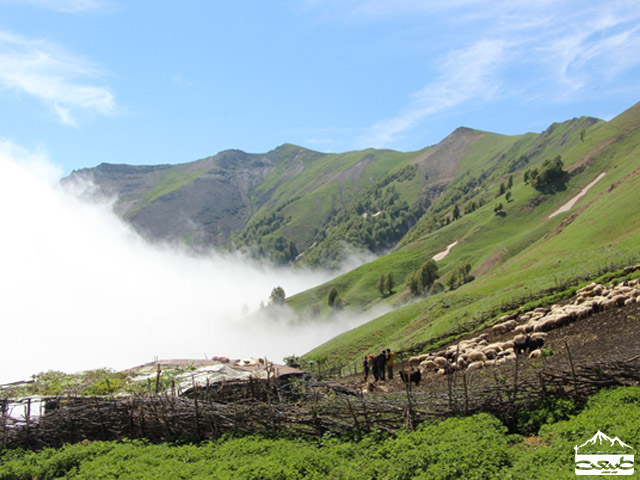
(390,283)
(428,274)
(456,212)
(451,282)
(333,294)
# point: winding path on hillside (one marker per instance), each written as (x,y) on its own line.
(569,205)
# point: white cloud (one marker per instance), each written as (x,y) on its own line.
(63,82)
(80,290)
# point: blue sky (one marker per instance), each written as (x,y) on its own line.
(91,81)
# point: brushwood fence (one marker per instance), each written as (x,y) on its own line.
(310,409)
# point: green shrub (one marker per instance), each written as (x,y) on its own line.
(614,412)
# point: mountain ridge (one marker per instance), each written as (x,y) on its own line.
(296,205)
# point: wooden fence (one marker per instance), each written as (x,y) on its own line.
(305,408)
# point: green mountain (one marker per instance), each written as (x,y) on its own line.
(297,205)
(507,251)
(488,204)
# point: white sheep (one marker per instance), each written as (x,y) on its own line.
(474,366)
(519,329)
(427,365)
(490,353)
(535,336)
(413,361)
(509,344)
(619,299)
(537,353)
(476,356)
(499,329)
(545,325)
(441,362)
(511,324)
(519,338)
(497,346)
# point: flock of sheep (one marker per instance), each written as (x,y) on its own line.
(529,328)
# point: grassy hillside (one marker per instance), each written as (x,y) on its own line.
(515,257)
(305,195)
(373,200)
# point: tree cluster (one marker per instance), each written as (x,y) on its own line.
(376,221)
(386,283)
(260,236)
(550,178)
(460,276)
(421,280)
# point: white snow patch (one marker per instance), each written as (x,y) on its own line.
(439,256)
(569,205)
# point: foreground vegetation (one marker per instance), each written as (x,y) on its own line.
(471,447)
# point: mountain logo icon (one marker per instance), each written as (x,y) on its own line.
(603,455)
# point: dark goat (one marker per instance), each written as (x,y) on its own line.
(528,344)
(413,376)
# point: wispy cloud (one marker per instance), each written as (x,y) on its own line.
(558,50)
(67,84)
(603,47)
(366,9)
(68,6)
(464,75)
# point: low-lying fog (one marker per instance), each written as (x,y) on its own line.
(80,290)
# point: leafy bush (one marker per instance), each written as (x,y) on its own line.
(472,447)
(614,412)
(551,410)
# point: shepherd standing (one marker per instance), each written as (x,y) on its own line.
(390,357)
